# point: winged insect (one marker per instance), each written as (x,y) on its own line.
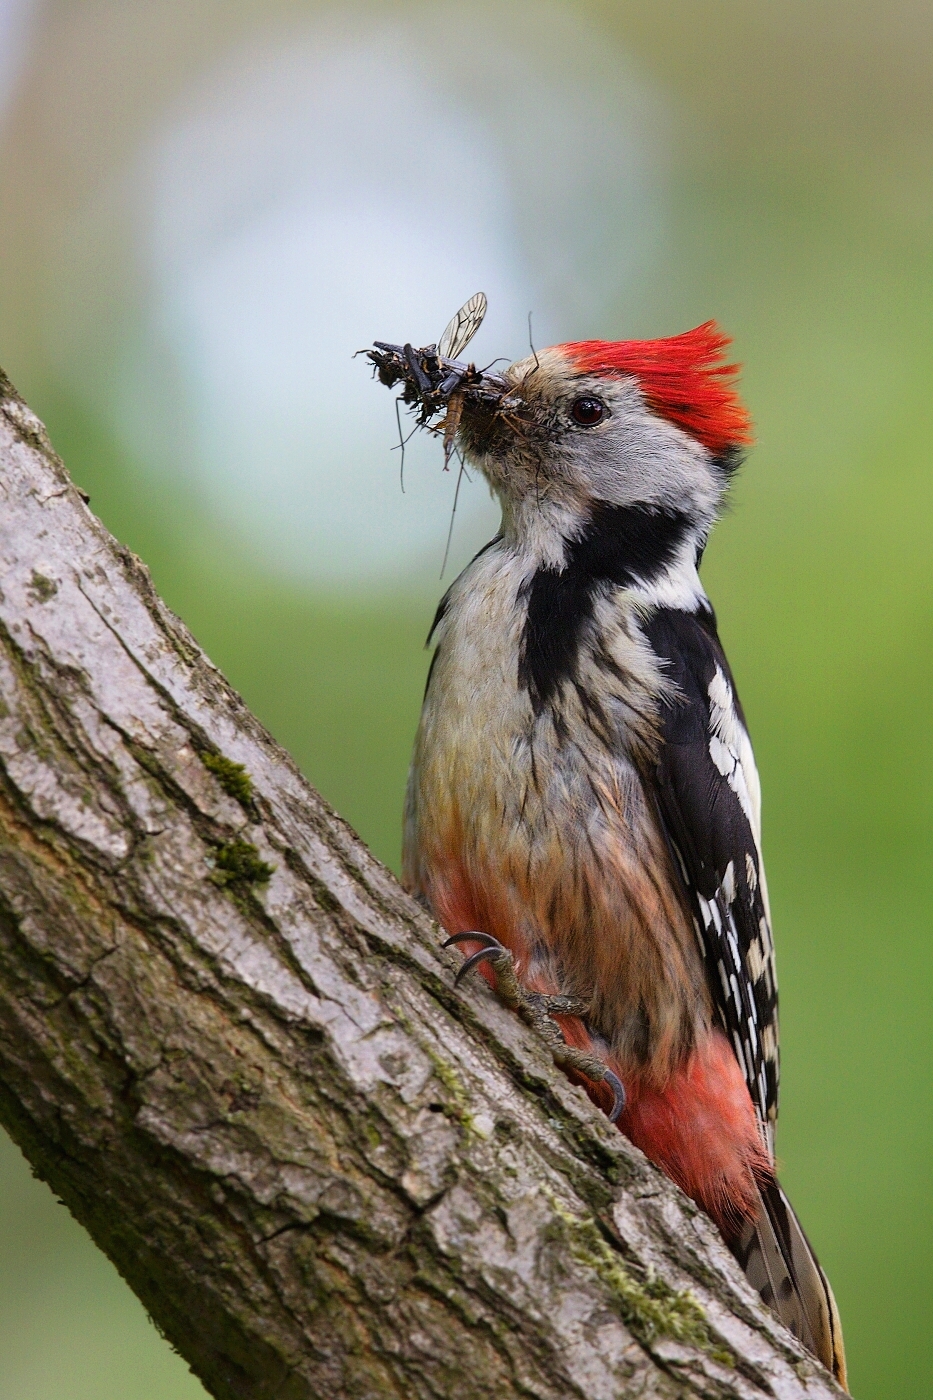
(434,380)
(462,327)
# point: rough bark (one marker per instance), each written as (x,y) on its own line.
(231,1045)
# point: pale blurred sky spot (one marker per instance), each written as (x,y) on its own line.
(346,179)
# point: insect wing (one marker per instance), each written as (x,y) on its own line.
(463,327)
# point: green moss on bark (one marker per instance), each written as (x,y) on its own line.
(238,863)
(233,777)
(651,1308)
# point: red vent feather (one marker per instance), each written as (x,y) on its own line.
(683,379)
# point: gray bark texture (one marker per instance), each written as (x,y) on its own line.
(231,1044)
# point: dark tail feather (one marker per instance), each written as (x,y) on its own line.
(778,1261)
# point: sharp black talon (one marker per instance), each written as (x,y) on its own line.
(484,938)
(484,955)
(618,1089)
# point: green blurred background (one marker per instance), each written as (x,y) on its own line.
(206,207)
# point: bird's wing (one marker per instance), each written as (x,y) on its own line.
(709,800)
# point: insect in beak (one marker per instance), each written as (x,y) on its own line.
(435,380)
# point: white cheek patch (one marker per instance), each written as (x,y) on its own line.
(678,586)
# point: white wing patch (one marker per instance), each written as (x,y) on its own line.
(751,873)
(728,883)
(726,749)
(731,751)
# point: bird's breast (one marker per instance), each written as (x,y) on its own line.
(537,826)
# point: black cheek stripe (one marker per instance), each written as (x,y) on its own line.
(619,545)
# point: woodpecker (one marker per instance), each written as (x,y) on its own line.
(583,814)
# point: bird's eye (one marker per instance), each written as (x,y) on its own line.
(588,411)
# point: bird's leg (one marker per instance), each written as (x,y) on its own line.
(536,1010)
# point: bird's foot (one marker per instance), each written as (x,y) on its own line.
(536,1010)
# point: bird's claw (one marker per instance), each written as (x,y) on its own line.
(472,936)
(536,1010)
(492,951)
(490,954)
(618,1091)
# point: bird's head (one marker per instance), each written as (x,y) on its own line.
(642,435)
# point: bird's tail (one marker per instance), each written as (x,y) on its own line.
(778,1260)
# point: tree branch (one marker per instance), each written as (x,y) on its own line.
(230,1044)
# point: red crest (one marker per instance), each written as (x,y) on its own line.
(683,380)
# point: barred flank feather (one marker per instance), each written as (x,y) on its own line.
(778,1261)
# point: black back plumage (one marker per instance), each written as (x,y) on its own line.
(702,786)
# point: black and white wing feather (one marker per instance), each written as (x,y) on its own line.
(710,804)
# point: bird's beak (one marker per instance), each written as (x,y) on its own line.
(456,400)
(429,383)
